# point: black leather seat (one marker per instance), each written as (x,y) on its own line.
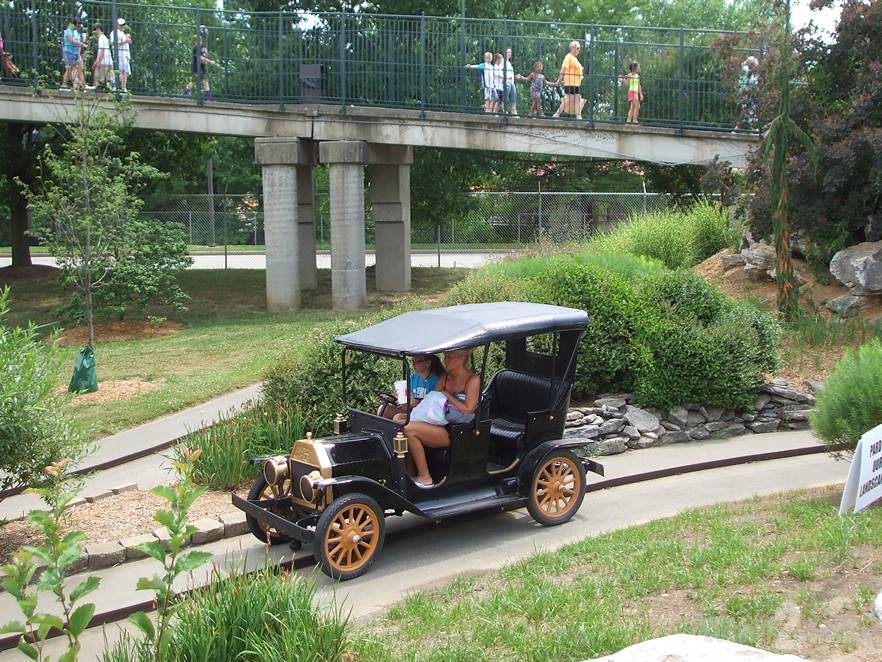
(511,396)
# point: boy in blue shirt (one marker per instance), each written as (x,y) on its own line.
(70,53)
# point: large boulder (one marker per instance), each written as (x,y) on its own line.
(694,648)
(846,305)
(760,255)
(859,266)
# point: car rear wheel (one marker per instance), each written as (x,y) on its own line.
(557,488)
(349,536)
(259,491)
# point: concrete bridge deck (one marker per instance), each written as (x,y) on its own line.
(395,126)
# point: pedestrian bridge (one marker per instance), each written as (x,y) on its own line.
(356,90)
(402,126)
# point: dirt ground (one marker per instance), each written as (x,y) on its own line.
(114,518)
(110,390)
(800,362)
(119,330)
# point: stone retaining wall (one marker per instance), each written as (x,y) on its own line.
(613,424)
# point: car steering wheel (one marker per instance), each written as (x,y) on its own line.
(388,399)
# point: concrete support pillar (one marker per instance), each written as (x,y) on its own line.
(346,159)
(279,174)
(389,172)
(306,217)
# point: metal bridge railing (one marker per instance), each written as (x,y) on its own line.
(414,62)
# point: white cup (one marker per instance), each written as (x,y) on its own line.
(401,391)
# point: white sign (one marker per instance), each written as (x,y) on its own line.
(864,483)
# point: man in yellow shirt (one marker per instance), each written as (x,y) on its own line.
(571,79)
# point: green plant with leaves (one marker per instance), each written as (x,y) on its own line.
(174,562)
(851,400)
(782,132)
(227,446)
(84,200)
(52,560)
(35,429)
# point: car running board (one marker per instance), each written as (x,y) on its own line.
(490,503)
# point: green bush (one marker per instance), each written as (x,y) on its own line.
(677,239)
(311,380)
(686,295)
(35,430)
(851,400)
(264,616)
(228,446)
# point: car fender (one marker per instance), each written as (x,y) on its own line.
(535,457)
(388,499)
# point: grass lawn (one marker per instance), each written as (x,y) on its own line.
(225,340)
(783,573)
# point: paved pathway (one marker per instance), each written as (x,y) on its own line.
(323,260)
(146,439)
(418,554)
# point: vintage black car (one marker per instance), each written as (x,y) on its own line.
(335,492)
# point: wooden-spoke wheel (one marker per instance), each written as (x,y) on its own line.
(259,491)
(557,488)
(349,536)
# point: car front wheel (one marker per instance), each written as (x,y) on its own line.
(265,533)
(349,536)
(557,488)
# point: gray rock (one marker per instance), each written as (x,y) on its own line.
(860,264)
(234,523)
(590,411)
(631,432)
(760,255)
(574,415)
(814,385)
(695,418)
(130,543)
(98,496)
(207,530)
(846,305)
(612,426)
(746,416)
(679,415)
(756,274)
(105,554)
(796,413)
(671,427)
(586,432)
(651,435)
(716,426)
(675,437)
(609,412)
(643,442)
(641,419)
(577,423)
(798,425)
(732,430)
(787,393)
(612,446)
(699,434)
(693,648)
(712,413)
(728,415)
(763,426)
(732,260)
(761,402)
(611,402)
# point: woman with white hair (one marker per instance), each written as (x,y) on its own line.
(571,79)
(462,388)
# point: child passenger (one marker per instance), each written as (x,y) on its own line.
(635,93)
(427,369)
(537,81)
(487,75)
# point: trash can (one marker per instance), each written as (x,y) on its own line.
(312,81)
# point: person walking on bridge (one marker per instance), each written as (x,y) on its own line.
(486,69)
(70,53)
(511,92)
(102,67)
(571,78)
(123,42)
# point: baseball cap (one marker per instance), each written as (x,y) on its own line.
(120,21)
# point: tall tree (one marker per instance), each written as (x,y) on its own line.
(18,164)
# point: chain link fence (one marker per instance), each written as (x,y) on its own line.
(485,220)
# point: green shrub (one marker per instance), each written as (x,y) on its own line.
(675,238)
(311,380)
(228,446)
(687,295)
(264,616)
(35,429)
(851,401)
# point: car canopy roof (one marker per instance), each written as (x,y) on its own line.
(455,327)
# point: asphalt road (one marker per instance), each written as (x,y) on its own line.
(323,260)
(418,555)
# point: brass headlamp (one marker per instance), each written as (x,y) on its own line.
(275,469)
(399,445)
